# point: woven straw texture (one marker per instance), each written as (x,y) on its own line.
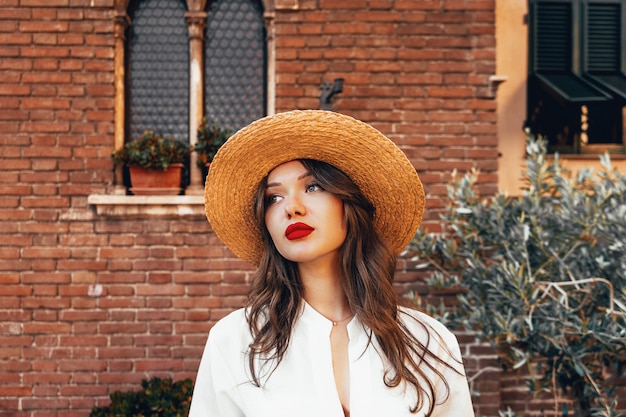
(371,160)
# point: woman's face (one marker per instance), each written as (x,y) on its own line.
(305,222)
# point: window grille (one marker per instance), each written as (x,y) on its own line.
(159,69)
(235,63)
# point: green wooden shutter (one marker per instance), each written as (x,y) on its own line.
(553,37)
(603,38)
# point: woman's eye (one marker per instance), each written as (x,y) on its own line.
(271,199)
(313,187)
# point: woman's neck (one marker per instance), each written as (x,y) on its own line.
(324,292)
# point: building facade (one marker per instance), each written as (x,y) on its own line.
(101,289)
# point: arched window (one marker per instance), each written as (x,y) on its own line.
(235,63)
(158,75)
(176,63)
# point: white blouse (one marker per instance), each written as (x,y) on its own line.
(303,384)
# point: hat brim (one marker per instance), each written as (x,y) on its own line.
(379,168)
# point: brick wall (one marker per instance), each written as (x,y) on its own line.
(417,70)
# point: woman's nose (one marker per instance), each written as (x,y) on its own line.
(294,207)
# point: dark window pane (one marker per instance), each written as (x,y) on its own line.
(235,63)
(159,69)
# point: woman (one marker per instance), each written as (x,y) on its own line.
(322,204)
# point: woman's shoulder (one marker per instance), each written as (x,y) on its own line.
(232,328)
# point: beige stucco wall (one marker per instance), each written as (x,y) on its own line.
(511,62)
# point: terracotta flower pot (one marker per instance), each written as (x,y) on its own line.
(155,182)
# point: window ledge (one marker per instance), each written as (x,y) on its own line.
(576,163)
(132,206)
(587,156)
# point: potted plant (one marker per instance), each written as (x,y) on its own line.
(210,138)
(155,163)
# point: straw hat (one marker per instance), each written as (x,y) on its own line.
(371,160)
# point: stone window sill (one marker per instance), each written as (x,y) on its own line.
(587,156)
(131,206)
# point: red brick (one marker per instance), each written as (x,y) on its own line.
(158,365)
(15,39)
(15,391)
(129,328)
(82,365)
(15,291)
(151,290)
(44,3)
(34,252)
(43,26)
(81,316)
(11,11)
(343,4)
(46,328)
(45,103)
(83,390)
(74,265)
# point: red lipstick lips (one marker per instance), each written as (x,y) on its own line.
(298,230)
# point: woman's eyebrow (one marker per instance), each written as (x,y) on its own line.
(277,183)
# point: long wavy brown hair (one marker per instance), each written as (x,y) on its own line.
(368,267)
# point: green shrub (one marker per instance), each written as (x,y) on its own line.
(543,276)
(211,137)
(158,398)
(152,151)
